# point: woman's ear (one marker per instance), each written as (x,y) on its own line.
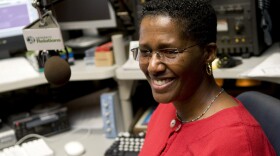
(210,52)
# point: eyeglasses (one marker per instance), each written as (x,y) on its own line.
(166,55)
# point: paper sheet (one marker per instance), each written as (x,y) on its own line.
(270,67)
(85,111)
(16,69)
(87,118)
(131,64)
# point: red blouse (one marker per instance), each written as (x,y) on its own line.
(230,132)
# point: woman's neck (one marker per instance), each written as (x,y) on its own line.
(194,105)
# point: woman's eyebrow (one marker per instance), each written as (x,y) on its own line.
(160,46)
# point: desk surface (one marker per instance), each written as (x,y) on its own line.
(79,71)
(226,73)
(94,141)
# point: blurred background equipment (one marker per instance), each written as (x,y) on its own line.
(244,27)
(14,15)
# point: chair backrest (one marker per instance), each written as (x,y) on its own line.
(266,110)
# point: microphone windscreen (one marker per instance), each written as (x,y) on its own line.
(57,71)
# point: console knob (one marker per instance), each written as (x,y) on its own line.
(239,27)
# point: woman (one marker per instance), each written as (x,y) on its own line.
(195,116)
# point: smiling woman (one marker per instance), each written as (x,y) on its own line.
(177,44)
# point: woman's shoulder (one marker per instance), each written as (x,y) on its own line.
(233,134)
(234,115)
(234,140)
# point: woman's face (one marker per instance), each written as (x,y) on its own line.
(176,80)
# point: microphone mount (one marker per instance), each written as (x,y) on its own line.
(42,7)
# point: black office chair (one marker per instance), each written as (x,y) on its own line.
(266,110)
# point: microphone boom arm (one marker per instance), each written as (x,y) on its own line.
(42,8)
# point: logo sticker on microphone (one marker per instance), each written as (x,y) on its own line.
(43,38)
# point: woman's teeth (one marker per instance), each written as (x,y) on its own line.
(161,82)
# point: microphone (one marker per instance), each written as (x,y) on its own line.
(44,35)
(57,71)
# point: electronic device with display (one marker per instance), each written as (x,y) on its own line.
(14,15)
(85,15)
(45,120)
(241,27)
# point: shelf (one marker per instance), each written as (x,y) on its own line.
(226,73)
(79,71)
(123,74)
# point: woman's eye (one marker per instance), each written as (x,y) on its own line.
(169,51)
(144,51)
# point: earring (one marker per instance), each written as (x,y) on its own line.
(209,69)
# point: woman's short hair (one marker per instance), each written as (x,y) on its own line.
(196,18)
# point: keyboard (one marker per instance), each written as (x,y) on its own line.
(126,145)
(36,147)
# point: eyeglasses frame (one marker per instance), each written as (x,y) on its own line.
(176,51)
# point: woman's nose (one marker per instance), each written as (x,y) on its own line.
(155,64)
